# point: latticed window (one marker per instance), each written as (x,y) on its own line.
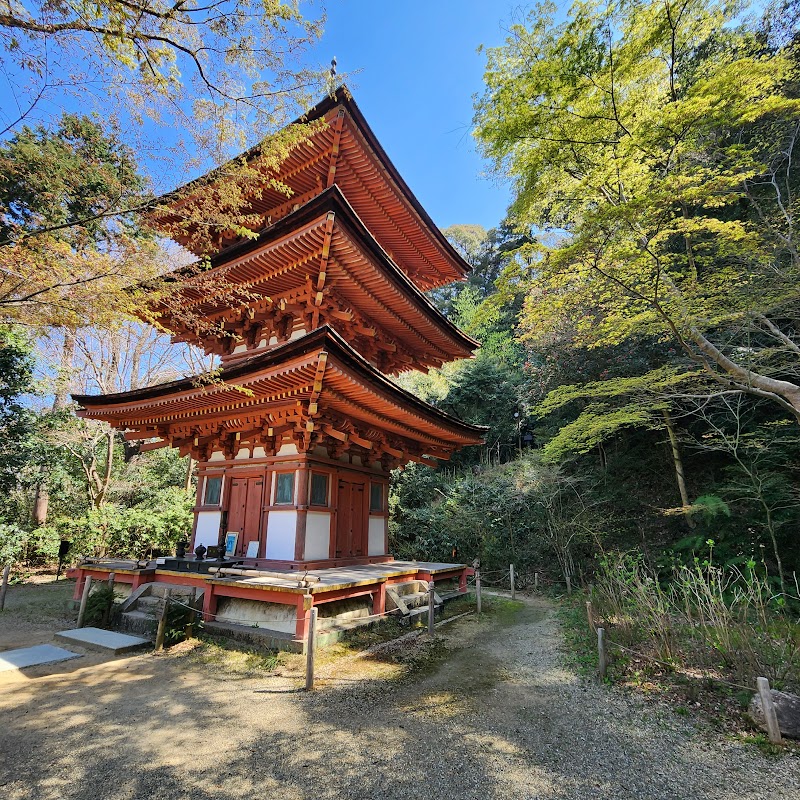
(284,488)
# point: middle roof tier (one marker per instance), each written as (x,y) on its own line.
(317,266)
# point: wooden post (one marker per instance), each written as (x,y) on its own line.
(536,581)
(311,644)
(4,586)
(107,611)
(162,621)
(590,614)
(602,657)
(478,590)
(87,585)
(189,632)
(770,715)
(513,587)
(569,583)
(431,606)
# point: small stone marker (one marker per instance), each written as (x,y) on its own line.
(34,656)
(102,641)
(787,710)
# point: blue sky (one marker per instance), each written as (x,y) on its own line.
(417,69)
(413,68)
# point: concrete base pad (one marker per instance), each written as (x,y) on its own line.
(102,641)
(34,656)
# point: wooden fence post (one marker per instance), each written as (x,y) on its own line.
(189,632)
(569,583)
(513,587)
(602,657)
(87,585)
(4,586)
(536,581)
(431,606)
(107,612)
(478,591)
(162,621)
(770,715)
(311,645)
(590,614)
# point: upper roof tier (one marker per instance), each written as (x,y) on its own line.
(318,265)
(343,152)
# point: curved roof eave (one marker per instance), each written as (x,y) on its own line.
(323,337)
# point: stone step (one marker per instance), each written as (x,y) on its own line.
(158,590)
(34,656)
(149,603)
(103,641)
(138,623)
(409,587)
(415,599)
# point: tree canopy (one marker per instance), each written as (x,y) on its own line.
(658,138)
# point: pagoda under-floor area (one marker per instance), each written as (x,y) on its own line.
(296,437)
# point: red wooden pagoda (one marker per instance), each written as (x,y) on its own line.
(296,441)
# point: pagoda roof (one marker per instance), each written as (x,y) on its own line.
(317,389)
(346,152)
(322,259)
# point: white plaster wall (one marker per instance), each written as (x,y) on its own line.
(243,453)
(259,452)
(377,536)
(281,530)
(318,534)
(217,456)
(240,348)
(207,528)
(289,449)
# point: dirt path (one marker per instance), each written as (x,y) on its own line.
(498,718)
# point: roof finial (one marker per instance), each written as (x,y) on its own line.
(333,69)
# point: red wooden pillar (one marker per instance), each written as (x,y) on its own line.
(301,503)
(462,582)
(209,603)
(80,581)
(379,600)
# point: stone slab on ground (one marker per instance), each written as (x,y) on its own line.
(34,656)
(103,641)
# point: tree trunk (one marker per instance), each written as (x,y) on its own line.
(785,393)
(40,504)
(61,398)
(105,482)
(189,472)
(678,464)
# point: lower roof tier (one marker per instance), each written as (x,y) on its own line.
(314,391)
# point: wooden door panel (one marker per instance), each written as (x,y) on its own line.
(343,519)
(350,520)
(252,514)
(237,501)
(358,526)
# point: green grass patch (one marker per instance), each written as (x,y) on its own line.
(234,661)
(581,643)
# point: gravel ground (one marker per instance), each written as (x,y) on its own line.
(498,718)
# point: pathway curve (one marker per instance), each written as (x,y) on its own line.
(498,718)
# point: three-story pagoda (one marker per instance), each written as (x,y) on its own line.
(295,442)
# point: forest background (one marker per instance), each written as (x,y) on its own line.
(638,307)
